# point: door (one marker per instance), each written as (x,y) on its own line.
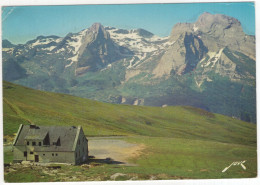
(36,158)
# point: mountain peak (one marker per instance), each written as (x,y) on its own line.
(205,14)
(96,26)
(99,30)
(7,44)
(144,33)
(207,20)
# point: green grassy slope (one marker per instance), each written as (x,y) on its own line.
(25,105)
(189,158)
(180,141)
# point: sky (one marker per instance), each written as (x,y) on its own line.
(23,23)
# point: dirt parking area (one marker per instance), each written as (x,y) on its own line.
(113,147)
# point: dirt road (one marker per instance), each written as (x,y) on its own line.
(113,147)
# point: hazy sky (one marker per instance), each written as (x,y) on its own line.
(23,23)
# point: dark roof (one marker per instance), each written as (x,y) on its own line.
(36,133)
(67,135)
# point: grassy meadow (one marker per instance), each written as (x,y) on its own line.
(180,142)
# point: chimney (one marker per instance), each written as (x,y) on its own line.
(32,126)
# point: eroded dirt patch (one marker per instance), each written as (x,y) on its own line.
(115,148)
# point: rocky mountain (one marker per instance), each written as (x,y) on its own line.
(208,64)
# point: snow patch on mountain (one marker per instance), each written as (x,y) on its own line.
(69,64)
(216,57)
(77,41)
(8,50)
(195,28)
(135,42)
(19,52)
(131,63)
(199,83)
(167,44)
(76,44)
(141,46)
(60,50)
(42,42)
(107,67)
(49,48)
(213,58)
(73,59)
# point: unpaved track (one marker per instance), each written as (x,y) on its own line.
(113,147)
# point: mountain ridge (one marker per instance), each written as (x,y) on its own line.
(137,67)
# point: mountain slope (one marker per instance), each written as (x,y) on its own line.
(25,105)
(209,64)
(97,50)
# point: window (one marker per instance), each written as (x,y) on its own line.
(40,143)
(25,154)
(56,154)
(31,152)
(33,143)
(52,154)
(28,143)
(43,154)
